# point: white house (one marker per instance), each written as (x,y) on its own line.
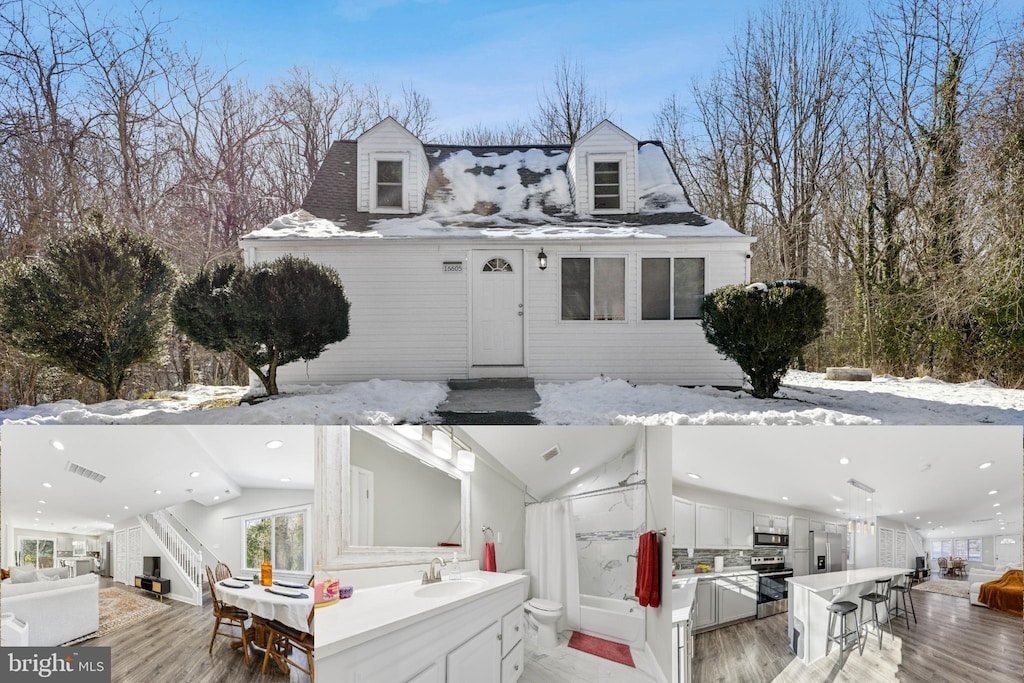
(553,262)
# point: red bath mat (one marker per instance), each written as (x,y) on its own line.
(616,652)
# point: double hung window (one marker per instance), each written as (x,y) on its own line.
(594,288)
(671,288)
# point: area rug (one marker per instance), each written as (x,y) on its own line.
(599,647)
(958,589)
(120,609)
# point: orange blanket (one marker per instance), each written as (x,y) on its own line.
(1005,594)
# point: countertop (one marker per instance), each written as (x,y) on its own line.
(684,590)
(833,580)
(728,571)
(373,612)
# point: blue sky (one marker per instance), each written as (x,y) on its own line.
(478,61)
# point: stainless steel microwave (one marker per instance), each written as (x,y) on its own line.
(771,538)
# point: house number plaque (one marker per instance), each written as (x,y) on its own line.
(452,266)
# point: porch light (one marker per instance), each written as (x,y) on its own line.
(542,260)
(466,461)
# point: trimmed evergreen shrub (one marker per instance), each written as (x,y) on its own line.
(94,303)
(763,327)
(268,315)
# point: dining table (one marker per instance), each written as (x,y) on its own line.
(284,601)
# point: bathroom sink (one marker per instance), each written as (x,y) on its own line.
(448,589)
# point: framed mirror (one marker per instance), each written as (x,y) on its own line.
(385,499)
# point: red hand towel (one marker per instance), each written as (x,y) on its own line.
(490,563)
(647,570)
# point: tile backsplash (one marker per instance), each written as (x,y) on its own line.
(733,558)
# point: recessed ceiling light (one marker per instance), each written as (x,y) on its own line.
(57,444)
(108,516)
(993,492)
(39,512)
(917,518)
(574,470)
(844,461)
(157,492)
(867,500)
(941,527)
(995,505)
(274,443)
(838,510)
(785,498)
(580,485)
(43,502)
(985,465)
(692,475)
(47,484)
(37,519)
(216,497)
(193,474)
(900,512)
(125,507)
(1000,512)
(285,479)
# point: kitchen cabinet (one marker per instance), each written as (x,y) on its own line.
(763,519)
(705,604)
(799,560)
(831,528)
(682,649)
(799,533)
(432,674)
(478,659)
(684,524)
(719,527)
(741,529)
(816,525)
(737,597)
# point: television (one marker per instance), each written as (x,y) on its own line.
(920,562)
(151,567)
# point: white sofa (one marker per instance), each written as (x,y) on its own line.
(980,574)
(55,611)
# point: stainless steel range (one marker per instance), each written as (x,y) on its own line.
(772,589)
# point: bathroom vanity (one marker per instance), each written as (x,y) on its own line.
(463,631)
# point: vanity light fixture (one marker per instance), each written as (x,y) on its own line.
(466,461)
(574,470)
(542,260)
(274,443)
(441,444)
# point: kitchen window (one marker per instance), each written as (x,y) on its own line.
(671,288)
(388,182)
(593,288)
(279,536)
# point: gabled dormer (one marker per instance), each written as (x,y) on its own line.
(392,170)
(602,169)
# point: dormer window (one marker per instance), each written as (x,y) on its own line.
(607,188)
(389,183)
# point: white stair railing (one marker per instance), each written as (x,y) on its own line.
(187,559)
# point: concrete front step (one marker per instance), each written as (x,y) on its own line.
(491,383)
(496,417)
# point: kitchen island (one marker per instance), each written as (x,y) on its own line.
(810,596)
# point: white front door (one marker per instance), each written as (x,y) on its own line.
(498,307)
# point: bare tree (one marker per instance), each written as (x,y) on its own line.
(569,106)
(413,110)
(513,133)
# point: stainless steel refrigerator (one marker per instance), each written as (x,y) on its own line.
(828,552)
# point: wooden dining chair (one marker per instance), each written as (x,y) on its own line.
(222,571)
(283,640)
(943,570)
(227,615)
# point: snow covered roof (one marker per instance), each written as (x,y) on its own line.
(488,192)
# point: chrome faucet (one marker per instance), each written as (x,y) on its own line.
(430,576)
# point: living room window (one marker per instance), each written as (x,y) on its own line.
(967,548)
(593,288)
(279,536)
(942,549)
(671,288)
(35,552)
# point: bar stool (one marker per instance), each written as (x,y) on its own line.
(904,591)
(880,596)
(842,610)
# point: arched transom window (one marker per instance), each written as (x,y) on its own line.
(497,265)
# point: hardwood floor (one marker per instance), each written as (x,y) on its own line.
(173,648)
(952,641)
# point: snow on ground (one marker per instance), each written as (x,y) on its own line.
(805,398)
(373,402)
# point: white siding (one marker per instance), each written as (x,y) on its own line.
(410,320)
(389,138)
(605,139)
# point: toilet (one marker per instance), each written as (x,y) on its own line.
(542,615)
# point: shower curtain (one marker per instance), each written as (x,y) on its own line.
(551,558)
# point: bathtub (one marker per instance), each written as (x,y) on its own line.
(613,619)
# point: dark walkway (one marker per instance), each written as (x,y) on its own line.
(489,401)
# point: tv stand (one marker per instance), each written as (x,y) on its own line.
(154,584)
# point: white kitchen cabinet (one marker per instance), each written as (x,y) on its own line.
(762,520)
(712,526)
(799,560)
(705,604)
(432,674)
(831,528)
(779,522)
(684,524)
(737,597)
(478,660)
(741,529)
(799,533)
(816,525)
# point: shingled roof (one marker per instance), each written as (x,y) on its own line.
(496,191)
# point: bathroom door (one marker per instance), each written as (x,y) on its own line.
(361,506)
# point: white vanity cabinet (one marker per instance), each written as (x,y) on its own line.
(472,639)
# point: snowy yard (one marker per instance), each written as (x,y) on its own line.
(805,398)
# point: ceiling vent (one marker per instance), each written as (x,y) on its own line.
(550,453)
(980,521)
(74,468)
